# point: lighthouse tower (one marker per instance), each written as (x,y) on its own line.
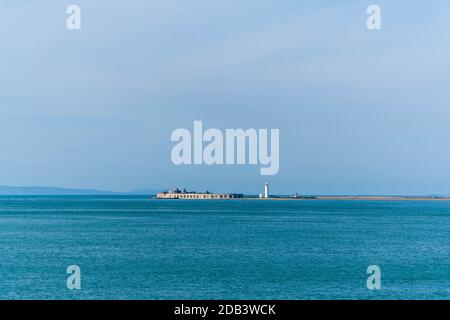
(266,190)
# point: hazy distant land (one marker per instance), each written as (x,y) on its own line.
(366,198)
(56,191)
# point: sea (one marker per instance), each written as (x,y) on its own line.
(137,247)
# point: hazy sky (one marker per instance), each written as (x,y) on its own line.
(359,111)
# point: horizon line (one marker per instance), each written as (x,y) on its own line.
(15,190)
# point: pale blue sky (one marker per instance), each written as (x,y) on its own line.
(359,112)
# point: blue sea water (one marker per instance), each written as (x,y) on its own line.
(142,248)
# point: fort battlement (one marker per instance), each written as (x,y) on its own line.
(178,194)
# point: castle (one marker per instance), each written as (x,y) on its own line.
(178,194)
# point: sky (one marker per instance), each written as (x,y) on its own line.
(359,111)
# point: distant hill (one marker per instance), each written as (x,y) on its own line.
(144,192)
(54,191)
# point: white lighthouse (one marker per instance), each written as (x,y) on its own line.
(266,190)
